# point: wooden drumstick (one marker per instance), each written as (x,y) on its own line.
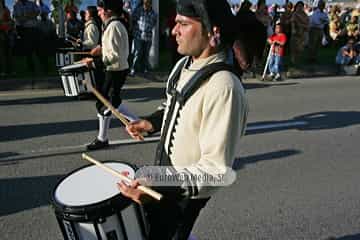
(78,62)
(69,36)
(122,177)
(117,114)
(80,53)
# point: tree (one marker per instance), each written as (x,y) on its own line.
(58,14)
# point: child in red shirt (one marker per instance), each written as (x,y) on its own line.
(277,41)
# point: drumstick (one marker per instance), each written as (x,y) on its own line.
(80,53)
(77,62)
(122,177)
(117,114)
(69,36)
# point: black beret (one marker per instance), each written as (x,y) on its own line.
(211,13)
(114,5)
(186,8)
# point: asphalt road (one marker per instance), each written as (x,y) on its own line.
(297,168)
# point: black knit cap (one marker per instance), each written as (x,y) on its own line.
(211,13)
(114,5)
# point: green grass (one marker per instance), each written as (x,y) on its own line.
(326,56)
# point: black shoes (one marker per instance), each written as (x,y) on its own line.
(97,144)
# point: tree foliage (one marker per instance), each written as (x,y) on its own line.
(61,3)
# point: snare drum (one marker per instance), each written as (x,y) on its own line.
(88,206)
(75,78)
(64,57)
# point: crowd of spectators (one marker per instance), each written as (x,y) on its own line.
(30,31)
(309,28)
(27,32)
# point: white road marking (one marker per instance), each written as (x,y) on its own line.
(149,139)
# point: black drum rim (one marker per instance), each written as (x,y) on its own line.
(91,212)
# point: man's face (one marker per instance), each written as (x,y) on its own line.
(350,43)
(103,14)
(87,15)
(147,4)
(278,28)
(190,36)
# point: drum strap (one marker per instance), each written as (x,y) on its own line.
(112,19)
(162,158)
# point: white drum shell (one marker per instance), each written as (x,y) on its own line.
(74,80)
(126,223)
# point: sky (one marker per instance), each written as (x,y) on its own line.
(10,3)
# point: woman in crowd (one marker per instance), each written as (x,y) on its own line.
(285,21)
(263,16)
(352,28)
(337,31)
(299,27)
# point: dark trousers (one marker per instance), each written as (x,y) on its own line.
(30,44)
(315,38)
(141,55)
(5,53)
(173,220)
(111,88)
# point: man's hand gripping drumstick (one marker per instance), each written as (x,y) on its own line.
(135,191)
(93,52)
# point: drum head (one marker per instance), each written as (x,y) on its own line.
(90,185)
(77,67)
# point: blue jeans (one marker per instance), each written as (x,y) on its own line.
(346,60)
(275,64)
(141,55)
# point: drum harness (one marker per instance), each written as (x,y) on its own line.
(161,158)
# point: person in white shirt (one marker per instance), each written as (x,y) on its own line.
(92,30)
(319,26)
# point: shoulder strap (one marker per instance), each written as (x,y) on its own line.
(176,74)
(181,97)
(202,75)
(110,21)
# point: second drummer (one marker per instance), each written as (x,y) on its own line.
(92,30)
(114,50)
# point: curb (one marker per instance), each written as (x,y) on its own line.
(54,82)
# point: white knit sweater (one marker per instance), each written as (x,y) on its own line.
(210,125)
(115,47)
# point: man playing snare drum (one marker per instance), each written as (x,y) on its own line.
(200,136)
